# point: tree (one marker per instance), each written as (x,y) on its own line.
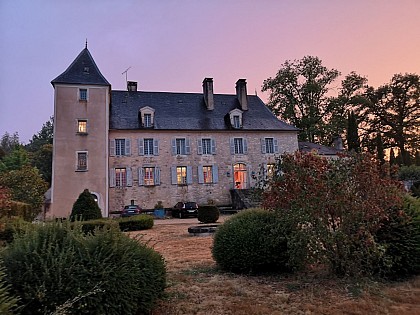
(42,160)
(298,94)
(392,158)
(334,208)
(353,142)
(26,185)
(85,208)
(380,148)
(8,143)
(417,158)
(15,160)
(43,137)
(394,109)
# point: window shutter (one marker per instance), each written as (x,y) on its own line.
(157,176)
(200,174)
(189,175)
(187,146)
(141,146)
(232,146)
(129,177)
(127,147)
(276,145)
(141,176)
(112,177)
(111,147)
(200,146)
(213,146)
(245,146)
(155,147)
(263,147)
(215,173)
(173,146)
(173,175)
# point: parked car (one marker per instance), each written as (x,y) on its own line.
(131,210)
(185,209)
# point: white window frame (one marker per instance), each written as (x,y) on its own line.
(269,145)
(147,110)
(179,177)
(80,125)
(148,145)
(181,146)
(235,115)
(238,145)
(148,120)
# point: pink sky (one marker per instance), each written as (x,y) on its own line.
(173,45)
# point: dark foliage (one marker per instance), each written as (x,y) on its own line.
(136,223)
(85,208)
(208,214)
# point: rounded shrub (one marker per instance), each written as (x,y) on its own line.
(57,268)
(251,241)
(136,223)
(85,208)
(208,214)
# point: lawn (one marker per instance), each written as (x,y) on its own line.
(197,286)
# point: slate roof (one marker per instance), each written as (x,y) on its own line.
(187,111)
(320,149)
(83,70)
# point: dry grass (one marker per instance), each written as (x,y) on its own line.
(196,286)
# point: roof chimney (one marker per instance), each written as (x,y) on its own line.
(131,86)
(241,94)
(208,93)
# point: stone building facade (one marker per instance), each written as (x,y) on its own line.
(137,147)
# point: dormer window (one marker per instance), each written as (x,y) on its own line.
(147,117)
(236,118)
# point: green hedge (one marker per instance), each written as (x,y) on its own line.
(92,225)
(208,214)
(136,223)
(9,227)
(251,241)
(57,268)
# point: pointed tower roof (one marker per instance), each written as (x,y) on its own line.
(83,70)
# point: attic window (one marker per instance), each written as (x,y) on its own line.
(235,117)
(86,70)
(147,117)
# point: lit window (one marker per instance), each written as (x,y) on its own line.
(119,147)
(82,161)
(148,176)
(238,145)
(180,147)
(148,146)
(270,169)
(269,145)
(83,95)
(120,177)
(208,174)
(236,121)
(82,126)
(148,120)
(206,143)
(181,175)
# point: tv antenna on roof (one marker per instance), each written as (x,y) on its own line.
(126,74)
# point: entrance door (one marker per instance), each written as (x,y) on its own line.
(240,176)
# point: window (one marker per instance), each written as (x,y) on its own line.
(120,177)
(81,161)
(181,146)
(82,126)
(181,175)
(238,146)
(148,120)
(269,145)
(83,94)
(206,146)
(119,147)
(208,174)
(149,176)
(236,121)
(270,169)
(148,146)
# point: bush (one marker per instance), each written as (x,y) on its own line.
(208,214)
(251,241)
(57,268)
(400,239)
(11,226)
(85,208)
(92,225)
(136,223)
(8,303)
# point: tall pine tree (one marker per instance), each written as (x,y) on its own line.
(380,148)
(353,142)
